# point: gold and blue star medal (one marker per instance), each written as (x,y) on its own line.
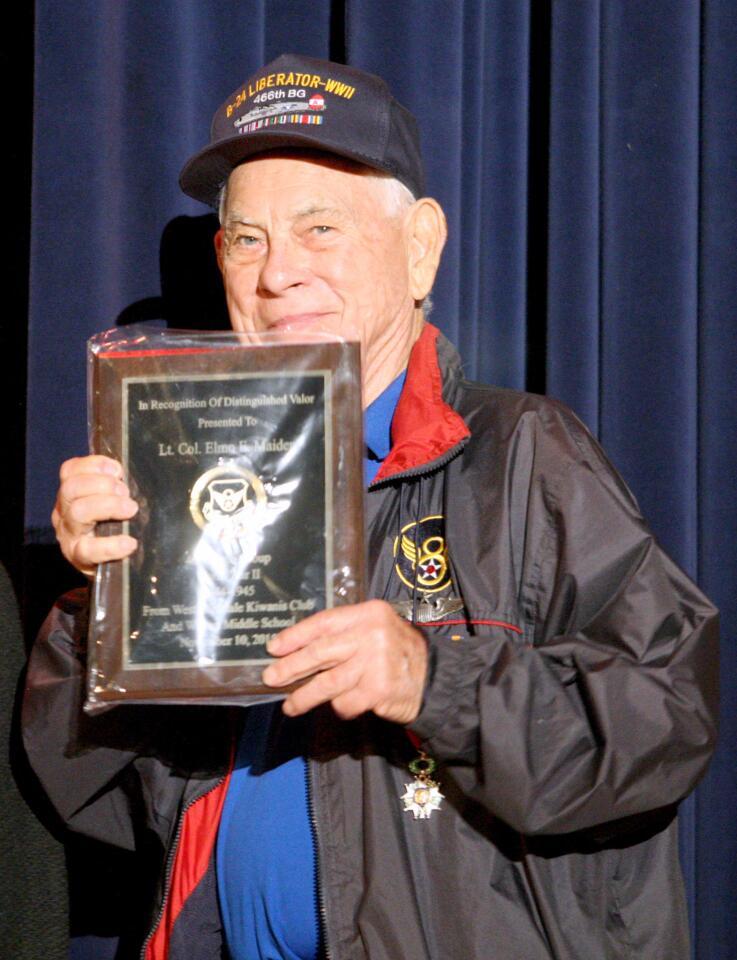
(423,795)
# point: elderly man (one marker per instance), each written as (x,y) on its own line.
(484,762)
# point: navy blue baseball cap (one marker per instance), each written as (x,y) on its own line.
(302,102)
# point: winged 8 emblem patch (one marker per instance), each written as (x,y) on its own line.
(421,556)
(421,562)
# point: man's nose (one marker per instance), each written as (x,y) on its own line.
(283,267)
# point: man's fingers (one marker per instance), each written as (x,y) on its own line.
(89,485)
(87,477)
(320,641)
(88,552)
(92,490)
(302,633)
(358,658)
(84,513)
(94,463)
(333,622)
(321,654)
(329,686)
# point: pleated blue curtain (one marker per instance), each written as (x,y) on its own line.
(463,69)
(641,330)
(714,842)
(585,153)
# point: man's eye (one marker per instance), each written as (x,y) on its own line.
(244,240)
(321,229)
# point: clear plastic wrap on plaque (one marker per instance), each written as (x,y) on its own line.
(244,453)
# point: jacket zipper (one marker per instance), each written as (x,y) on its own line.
(170,863)
(318,867)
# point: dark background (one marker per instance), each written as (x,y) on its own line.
(585,153)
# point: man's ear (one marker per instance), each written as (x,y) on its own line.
(219,241)
(426,232)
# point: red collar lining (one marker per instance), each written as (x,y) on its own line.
(199,829)
(424,427)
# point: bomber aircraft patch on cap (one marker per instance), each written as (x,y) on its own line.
(304,103)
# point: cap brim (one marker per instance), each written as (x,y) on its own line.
(203,176)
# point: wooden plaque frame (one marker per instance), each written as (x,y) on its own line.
(246,462)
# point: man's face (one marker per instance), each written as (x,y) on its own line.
(310,244)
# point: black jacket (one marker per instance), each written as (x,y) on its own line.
(570,704)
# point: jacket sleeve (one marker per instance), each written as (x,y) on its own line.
(607,707)
(80,761)
(112,775)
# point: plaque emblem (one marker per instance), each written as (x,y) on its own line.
(421,555)
(226,496)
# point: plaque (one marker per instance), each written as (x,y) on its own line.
(246,462)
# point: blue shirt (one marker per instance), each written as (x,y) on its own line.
(265,857)
(377,423)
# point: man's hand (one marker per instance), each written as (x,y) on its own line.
(92,490)
(363,657)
